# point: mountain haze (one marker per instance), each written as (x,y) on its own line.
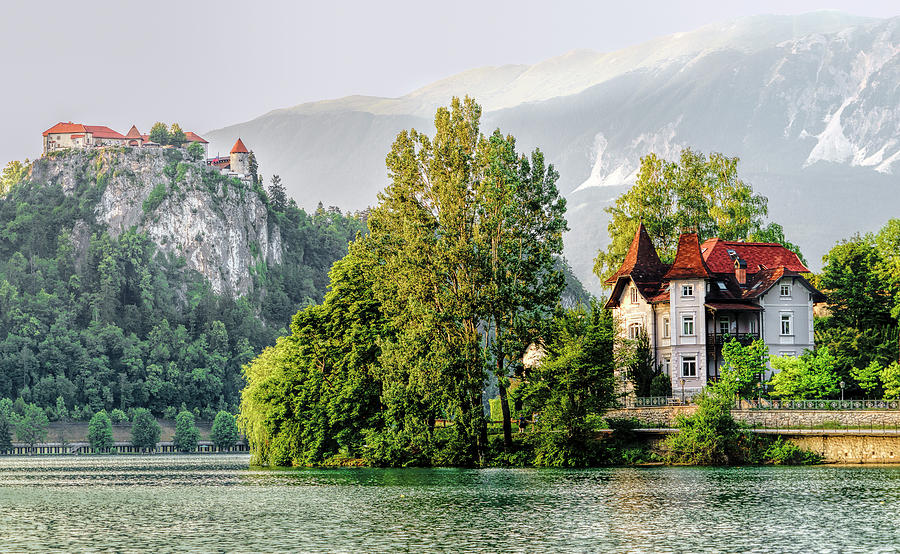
(810,103)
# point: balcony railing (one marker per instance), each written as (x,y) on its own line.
(715,340)
(774,404)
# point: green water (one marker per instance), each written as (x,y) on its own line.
(214,503)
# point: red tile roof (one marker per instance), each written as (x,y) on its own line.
(101,131)
(758,255)
(133,133)
(194,137)
(65,128)
(239,148)
(641,262)
(688,262)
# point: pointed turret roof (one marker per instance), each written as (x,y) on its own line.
(641,263)
(688,262)
(133,133)
(239,148)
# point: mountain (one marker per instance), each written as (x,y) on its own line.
(810,103)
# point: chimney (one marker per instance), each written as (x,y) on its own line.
(740,271)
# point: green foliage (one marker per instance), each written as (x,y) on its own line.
(868,378)
(890,380)
(176,135)
(642,368)
(224,432)
(100,433)
(811,375)
(155,198)
(144,430)
(697,191)
(186,433)
(708,437)
(31,425)
(661,385)
(278,194)
(782,452)
(196,151)
(5,433)
(573,383)
(159,133)
(13,174)
(745,366)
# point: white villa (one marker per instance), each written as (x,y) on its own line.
(712,292)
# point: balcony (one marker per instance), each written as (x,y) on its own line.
(714,341)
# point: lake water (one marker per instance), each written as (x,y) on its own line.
(214,503)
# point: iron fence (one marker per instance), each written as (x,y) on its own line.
(774,404)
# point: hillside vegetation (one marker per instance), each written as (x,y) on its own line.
(110,297)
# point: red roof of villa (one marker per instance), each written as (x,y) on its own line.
(758,255)
(688,260)
(194,137)
(65,128)
(101,131)
(641,262)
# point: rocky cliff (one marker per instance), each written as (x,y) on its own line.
(219,225)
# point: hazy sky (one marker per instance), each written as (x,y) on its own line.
(209,64)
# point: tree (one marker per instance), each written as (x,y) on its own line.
(5,432)
(13,174)
(195,151)
(699,192)
(811,375)
(100,433)
(31,425)
(745,366)
(857,294)
(572,386)
(159,133)
(186,433)
(890,380)
(868,378)
(176,135)
(144,430)
(62,414)
(254,167)
(277,194)
(642,367)
(224,430)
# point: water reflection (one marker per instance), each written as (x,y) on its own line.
(215,503)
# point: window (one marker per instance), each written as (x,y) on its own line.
(724,325)
(689,366)
(634,330)
(667,367)
(789,354)
(634,295)
(687,325)
(787,324)
(752,325)
(687,291)
(665,326)
(785,291)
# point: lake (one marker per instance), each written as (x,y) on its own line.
(215,503)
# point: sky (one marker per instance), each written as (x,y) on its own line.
(209,64)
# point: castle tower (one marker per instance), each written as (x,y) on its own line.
(240,158)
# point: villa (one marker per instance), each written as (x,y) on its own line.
(712,292)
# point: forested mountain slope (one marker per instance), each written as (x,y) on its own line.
(141,278)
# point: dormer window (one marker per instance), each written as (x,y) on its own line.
(634,295)
(785,291)
(687,291)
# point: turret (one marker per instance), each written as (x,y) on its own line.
(240,158)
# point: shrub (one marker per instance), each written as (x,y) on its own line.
(155,198)
(708,437)
(661,385)
(118,416)
(186,433)
(782,452)
(100,433)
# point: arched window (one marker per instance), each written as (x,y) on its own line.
(634,330)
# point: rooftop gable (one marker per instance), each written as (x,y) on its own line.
(133,133)
(101,131)
(194,137)
(641,262)
(688,262)
(65,128)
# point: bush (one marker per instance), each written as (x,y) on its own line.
(170,412)
(661,385)
(708,437)
(155,198)
(224,430)
(186,433)
(100,433)
(782,452)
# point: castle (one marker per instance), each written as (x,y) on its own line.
(77,135)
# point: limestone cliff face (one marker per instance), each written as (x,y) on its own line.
(218,224)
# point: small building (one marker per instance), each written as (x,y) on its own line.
(77,135)
(237,162)
(711,293)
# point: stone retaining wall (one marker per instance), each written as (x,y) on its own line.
(852,449)
(665,417)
